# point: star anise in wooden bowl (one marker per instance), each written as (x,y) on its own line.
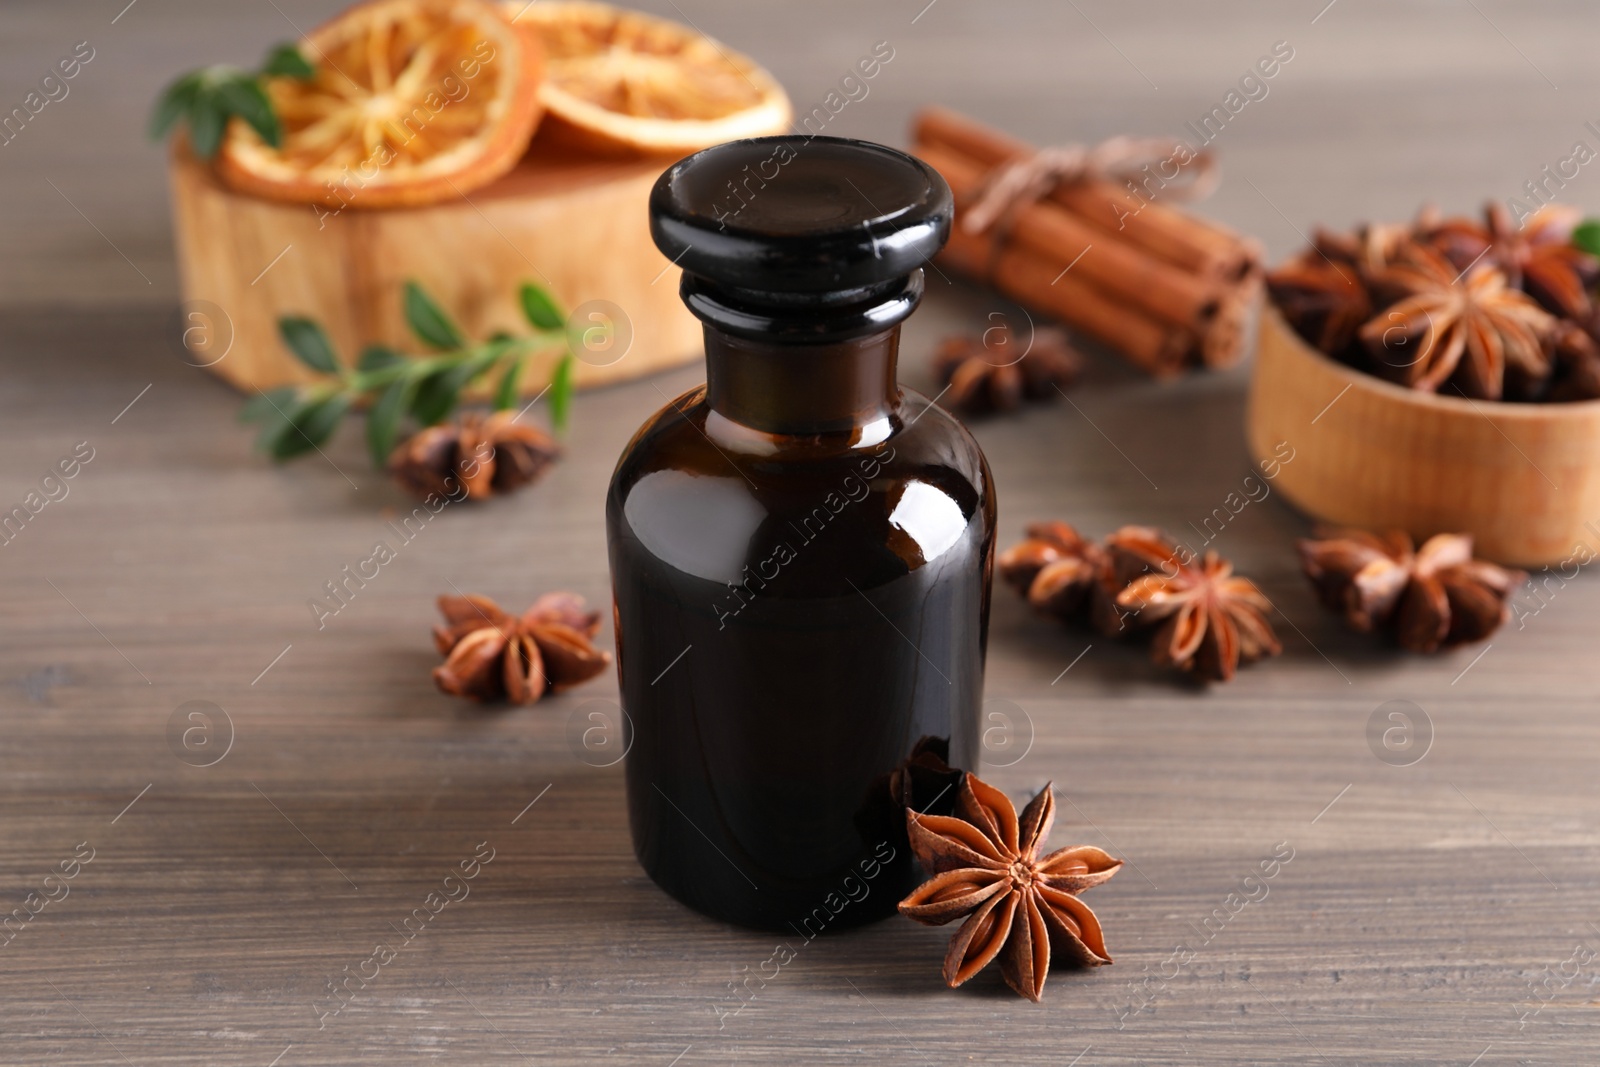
(984,866)
(1474,332)
(1369,248)
(1536,256)
(1424,598)
(1323,300)
(1577,365)
(493,655)
(1483,309)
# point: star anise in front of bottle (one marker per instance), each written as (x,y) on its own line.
(997,371)
(1473,331)
(925,780)
(485,454)
(492,655)
(984,864)
(1428,598)
(1208,620)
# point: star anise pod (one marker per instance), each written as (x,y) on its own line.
(492,655)
(1325,301)
(997,371)
(984,864)
(487,454)
(1208,620)
(1062,573)
(1428,598)
(1371,247)
(1577,358)
(1475,331)
(1134,551)
(1536,257)
(925,781)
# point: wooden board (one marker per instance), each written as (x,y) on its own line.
(1522,479)
(576,226)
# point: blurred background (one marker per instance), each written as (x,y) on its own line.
(1384,105)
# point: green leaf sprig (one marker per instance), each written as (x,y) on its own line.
(298,419)
(207,98)
(1586,236)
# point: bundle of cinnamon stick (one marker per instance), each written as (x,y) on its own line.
(1161,287)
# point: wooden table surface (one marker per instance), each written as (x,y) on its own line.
(1442,912)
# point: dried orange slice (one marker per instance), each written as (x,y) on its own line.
(413,102)
(624,80)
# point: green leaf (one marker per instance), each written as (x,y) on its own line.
(383,421)
(561,393)
(287,61)
(268,405)
(437,395)
(307,341)
(277,421)
(540,309)
(428,321)
(173,104)
(505,394)
(207,120)
(378,357)
(267,439)
(439,392)
(310,426)
(1586,236)
(243,96)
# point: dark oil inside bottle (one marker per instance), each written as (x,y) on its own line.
(800,553)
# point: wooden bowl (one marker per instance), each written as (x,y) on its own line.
(579,226)
(1522,479)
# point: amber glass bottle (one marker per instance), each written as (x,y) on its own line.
(800,549)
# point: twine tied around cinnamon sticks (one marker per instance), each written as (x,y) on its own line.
(1030,178)
(1058,231)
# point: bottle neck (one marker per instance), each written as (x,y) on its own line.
(802,389)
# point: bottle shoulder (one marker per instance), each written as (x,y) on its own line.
(921,439)
(921,493)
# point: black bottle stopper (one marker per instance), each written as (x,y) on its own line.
(807,238)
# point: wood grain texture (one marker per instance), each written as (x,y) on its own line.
(577,227)
(1523,479)
(1425,904)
